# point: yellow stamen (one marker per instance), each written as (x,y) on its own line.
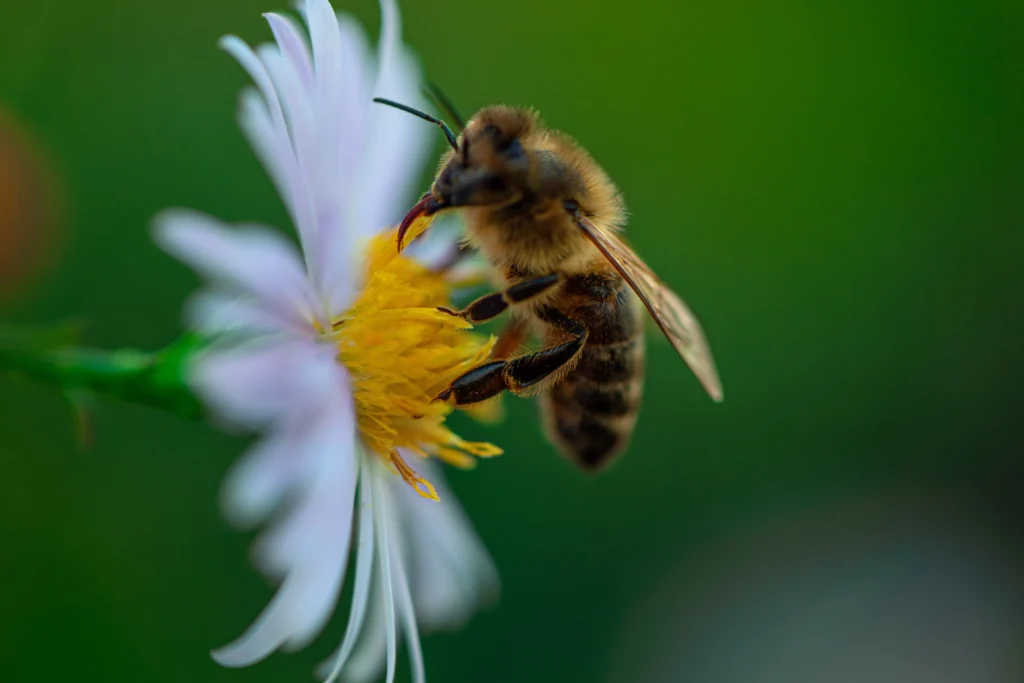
(409,476)
(401,352)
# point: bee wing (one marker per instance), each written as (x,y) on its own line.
(673,316)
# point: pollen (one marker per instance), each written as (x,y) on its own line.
(401,351)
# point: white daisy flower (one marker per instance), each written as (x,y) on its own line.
(334,354)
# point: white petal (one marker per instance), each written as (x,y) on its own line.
(451,575)
(299,107)
(368,658)
(326,41)
(331,668)
(344,167)
(258,481)
(265,383)
(461,578)
(215,311)
(267,129)
(356,98)
(339,58)
(253,260)
(343,123)
(289,37)
(309,447)
(406,612)
(381,512)
(286,457)
(316,539)
(273,149)
(397,144)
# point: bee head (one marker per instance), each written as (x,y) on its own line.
(486,166)
(489,167)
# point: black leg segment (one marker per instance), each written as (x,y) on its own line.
(492,305)
(525,371)
(519,373)
(477,385)
(481,310)
(527,289)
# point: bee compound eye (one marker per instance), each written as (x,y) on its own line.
(503,142)
(513,150)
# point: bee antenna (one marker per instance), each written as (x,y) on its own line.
(426,117)
(443,103)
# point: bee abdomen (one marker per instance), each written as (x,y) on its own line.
(591,413)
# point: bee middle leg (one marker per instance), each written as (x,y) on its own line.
(492,305)
(519,374)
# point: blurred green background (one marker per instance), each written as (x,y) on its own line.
(837,188)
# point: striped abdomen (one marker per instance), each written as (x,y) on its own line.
(591,412)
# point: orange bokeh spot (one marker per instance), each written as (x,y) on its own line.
(29,208)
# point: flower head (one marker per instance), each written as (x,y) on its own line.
(335,352)
(401,351)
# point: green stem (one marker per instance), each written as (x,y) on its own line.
(154,379)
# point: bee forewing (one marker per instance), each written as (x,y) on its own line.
(683,330)
(672,315)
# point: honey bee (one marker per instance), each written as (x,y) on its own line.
(548,218)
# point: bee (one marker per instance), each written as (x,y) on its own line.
(548,219)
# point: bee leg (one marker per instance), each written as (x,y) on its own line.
(530,369)
(479,384)
(519,374)
(492,305)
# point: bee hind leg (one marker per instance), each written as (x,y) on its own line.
(520,374)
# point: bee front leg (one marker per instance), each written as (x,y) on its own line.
(518,375)
(492,305)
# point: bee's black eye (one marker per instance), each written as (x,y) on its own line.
(512,150)
(495,184)
(503,142)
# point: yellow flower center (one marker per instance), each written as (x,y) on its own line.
(401,352)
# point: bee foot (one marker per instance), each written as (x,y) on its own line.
(457,314)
